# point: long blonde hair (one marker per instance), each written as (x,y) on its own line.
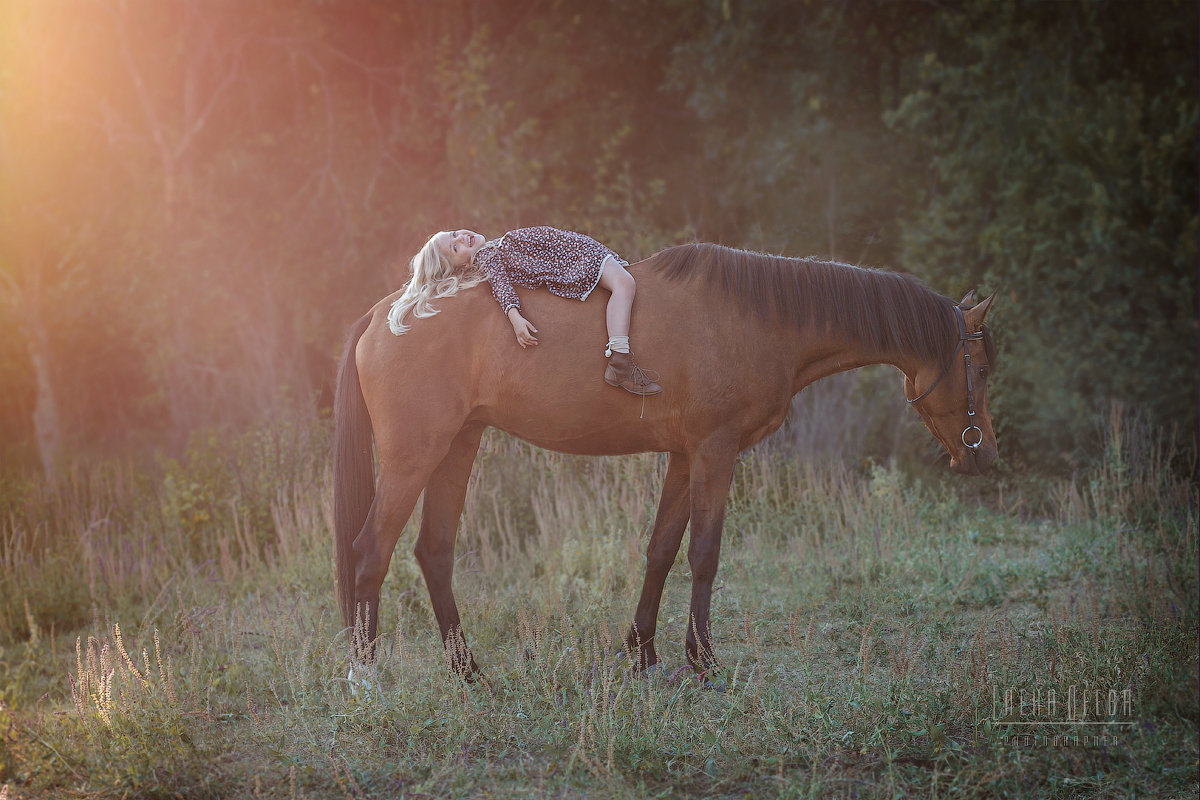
(433,278)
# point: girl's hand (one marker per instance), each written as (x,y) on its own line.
(522,328)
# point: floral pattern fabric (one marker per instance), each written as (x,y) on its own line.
(566,263)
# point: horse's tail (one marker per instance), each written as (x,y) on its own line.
(353,468)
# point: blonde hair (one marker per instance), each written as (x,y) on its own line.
(433,278)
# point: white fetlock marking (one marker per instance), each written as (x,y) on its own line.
(364,684)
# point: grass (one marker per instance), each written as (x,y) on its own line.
(173,633)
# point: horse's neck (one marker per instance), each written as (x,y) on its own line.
(824,353)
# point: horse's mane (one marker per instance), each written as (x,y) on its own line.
(885,311)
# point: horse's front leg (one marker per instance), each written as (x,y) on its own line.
(669,524)
(711,473)
(444,497)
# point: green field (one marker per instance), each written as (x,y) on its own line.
(172,632)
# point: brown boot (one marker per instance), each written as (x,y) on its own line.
(621,371)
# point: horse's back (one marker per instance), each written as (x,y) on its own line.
(464,364)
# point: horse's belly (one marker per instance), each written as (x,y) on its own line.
(587,424)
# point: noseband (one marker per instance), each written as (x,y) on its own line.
(963,338)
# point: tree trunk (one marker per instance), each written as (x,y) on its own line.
(47,424)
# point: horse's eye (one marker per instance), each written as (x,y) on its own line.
(983,372)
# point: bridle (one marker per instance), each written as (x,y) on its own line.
(963,338)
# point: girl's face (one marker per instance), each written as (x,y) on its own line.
(459,247)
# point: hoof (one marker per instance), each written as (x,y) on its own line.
(364,683)
(461,663)
(622,658)
(470,674)
(472,677)
(712,679)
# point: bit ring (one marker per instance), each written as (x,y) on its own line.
(978,442)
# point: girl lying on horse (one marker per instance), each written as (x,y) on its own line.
(569,264)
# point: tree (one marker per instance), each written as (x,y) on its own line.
(1060,139)
(789,97)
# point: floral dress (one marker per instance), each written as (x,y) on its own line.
(566,263)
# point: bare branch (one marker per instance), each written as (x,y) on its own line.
(226,80)
(156,127)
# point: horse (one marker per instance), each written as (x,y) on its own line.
(735,335)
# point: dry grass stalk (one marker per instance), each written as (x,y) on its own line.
(34,631)
(793,631)
(866,645)
(902,657)
(128,662)
(347,785)
(253,710)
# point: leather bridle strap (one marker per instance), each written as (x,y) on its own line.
(938,379)
(963,338)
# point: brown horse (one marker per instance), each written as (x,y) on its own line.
(735,335)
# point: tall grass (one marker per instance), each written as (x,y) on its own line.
(868,623)
(113,535)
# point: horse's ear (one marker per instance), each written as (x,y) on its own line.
(968,299)
(976,315)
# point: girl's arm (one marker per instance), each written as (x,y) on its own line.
(506,296)
(502,288)
(522,328)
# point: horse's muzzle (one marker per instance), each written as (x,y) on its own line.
(973,461)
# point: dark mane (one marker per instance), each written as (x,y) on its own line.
(886,311)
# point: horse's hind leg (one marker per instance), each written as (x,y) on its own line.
(669,524)
(395,497)
(444,497)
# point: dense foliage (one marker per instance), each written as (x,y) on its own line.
(197,198)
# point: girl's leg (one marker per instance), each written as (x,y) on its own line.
(621,370)
(617,280)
